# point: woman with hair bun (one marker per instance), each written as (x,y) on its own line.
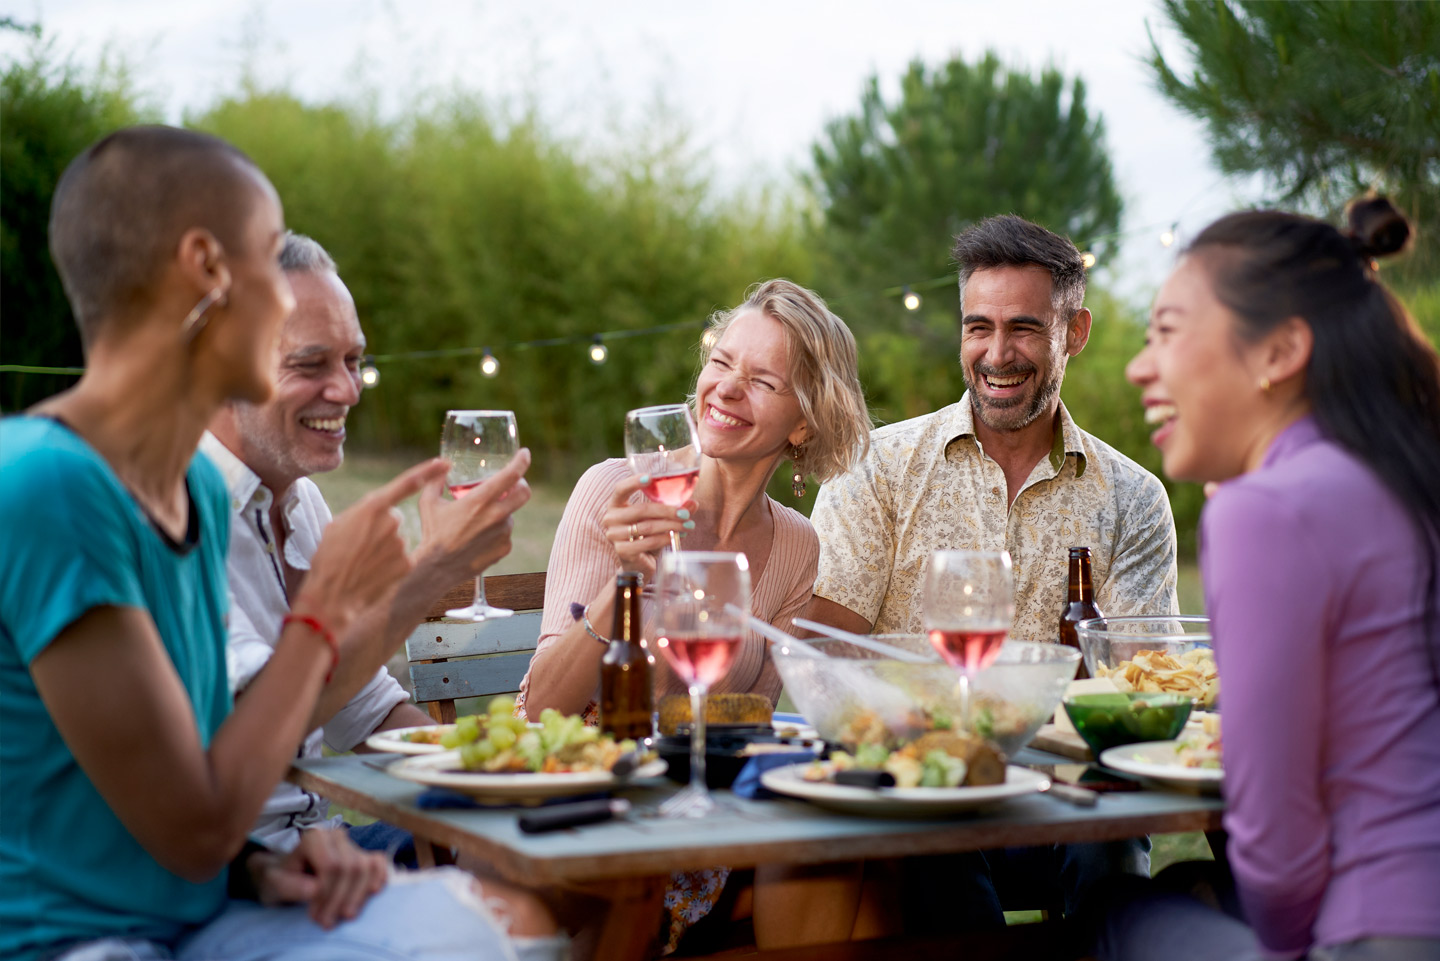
(1280,367)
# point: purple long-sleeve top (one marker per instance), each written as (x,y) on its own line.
(1331,712)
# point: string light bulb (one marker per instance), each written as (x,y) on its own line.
(598,351)
(1167,237)
(489,366)
(369,373)
(910,299)
(1088,259)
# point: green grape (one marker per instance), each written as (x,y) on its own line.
(502,737)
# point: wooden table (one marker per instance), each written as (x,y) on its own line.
(628,861)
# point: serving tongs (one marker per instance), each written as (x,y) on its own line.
(788,644)
(860,640)
(891,703)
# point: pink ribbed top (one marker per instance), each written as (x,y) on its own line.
(582,562)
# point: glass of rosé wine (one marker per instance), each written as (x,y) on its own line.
(969,602)
(477,443)
(661,442)
(704,600)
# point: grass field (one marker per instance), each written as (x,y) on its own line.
(535,531)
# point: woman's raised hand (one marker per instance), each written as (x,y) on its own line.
(638,531)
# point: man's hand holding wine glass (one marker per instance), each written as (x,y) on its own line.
(463,537)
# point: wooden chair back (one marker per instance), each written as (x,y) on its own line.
(496,654)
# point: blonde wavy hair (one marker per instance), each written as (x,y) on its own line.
(823,372)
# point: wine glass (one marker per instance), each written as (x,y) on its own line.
(969,602)
(704,601)
(661,442)
(477,443)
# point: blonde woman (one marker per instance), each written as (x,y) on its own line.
(778,381)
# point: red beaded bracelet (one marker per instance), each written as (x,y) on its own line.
(319,628)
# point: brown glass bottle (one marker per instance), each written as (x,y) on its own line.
(1081,602)
(627,699)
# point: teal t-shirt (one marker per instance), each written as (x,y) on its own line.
(74,539)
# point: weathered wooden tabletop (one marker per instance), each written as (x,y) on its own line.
(749,833)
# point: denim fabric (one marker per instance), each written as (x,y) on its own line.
(116,949)
(418,917)
(397,843)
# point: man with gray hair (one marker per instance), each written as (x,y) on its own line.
(267,453)
(1004,469)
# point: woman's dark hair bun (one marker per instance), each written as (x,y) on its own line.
(1376,228)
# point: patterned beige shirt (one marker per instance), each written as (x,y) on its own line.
(927,485)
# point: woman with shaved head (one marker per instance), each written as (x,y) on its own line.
(130,779)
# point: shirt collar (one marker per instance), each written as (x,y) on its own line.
(1067,434)
(1301,433)
(241,482)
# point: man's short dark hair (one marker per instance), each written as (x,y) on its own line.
(304,255)
(122,205)
(1010,241)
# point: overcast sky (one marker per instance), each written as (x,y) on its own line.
(755,81)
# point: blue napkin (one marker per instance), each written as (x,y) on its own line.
(439,798)
(747,784)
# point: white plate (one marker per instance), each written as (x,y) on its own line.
(393,741)
(1156,760)
(444,770)
(913,802)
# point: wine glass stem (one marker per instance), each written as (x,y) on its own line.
(697,739)
(675,541)
(479,602)
(965,701)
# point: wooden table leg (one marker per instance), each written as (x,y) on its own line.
(632,918)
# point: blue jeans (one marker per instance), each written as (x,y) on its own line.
(397,843)
(421,916)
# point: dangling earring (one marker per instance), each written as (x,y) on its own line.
(1265,385)
(196,320)
(797,480)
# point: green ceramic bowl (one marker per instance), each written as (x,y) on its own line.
(1105,720)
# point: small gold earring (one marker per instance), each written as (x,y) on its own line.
(1265,384)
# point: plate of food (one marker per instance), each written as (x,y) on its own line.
(447,770)
(942,772)
(423,739)
(500,757)
(1191,762)
(813,782)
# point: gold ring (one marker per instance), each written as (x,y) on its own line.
(634,533)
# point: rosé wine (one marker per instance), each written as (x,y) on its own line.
(699,659)
(672,489)
(968,650)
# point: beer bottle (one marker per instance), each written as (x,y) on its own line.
(1081,602)
(627,669)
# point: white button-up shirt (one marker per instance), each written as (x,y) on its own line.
(258,603)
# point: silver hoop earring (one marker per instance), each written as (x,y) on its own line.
(196,320)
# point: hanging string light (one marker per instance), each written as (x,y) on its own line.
(369,373)
(598,352)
